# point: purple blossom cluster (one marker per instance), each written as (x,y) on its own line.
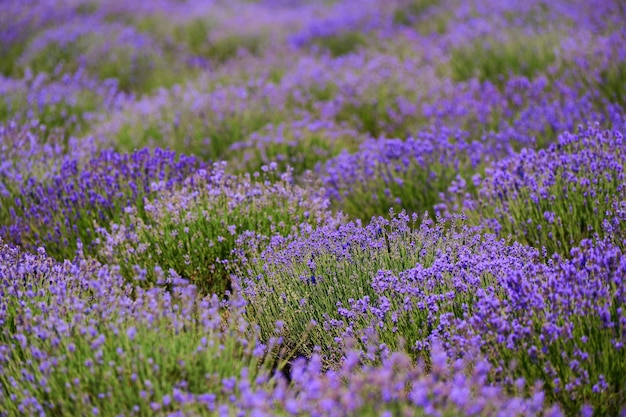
(556,197)
(61,211)
(565,327)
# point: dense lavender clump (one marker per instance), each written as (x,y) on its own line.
(410,174)
(194,231)
(391,280)
(74,341)
(555,198)
(62,211)
(566,328)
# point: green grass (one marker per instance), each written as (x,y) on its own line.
(372,112)
(368,117)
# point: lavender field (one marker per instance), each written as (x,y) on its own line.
(313,208)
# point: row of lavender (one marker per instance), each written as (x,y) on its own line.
(504,120)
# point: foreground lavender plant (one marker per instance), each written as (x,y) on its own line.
(566,328)
(390,280)
(77,340)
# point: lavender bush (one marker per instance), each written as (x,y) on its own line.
(557,197)
(410,174)
(194,231)
(62,211)
(565,328)
(74,341)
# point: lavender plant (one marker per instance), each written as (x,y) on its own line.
(187,121)
(497,60)
(301,146)
(565,328)
(74,341)
(60,212)
(195,230)
(132,58)
(410,174)
(557,197)
(388,281)
(68,105)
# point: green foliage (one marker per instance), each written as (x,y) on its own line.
(228,47)
(416,189)
(612,83)
(198,37)
(300,150)
(69,113)
(206,135)
(406,14)
(194,34)
(368,117)
(342,43)
(10,55)
(495,61)
(141,71)
(87,8)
